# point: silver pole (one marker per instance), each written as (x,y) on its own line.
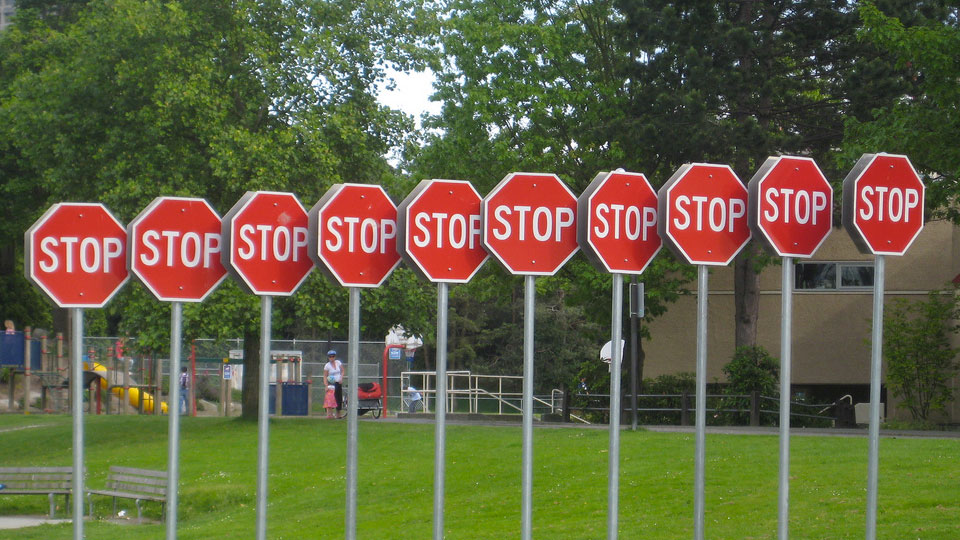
(440,433)
(173,411)
(526,479)
(700,455)
(353,359)
(263,440)
(876,358)
(786,347)
(76,385)
(613,474)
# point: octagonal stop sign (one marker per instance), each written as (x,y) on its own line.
(791,206)
(353,235)
(530,223)
(76,253)
(440,234)
(175,248)
(617,226)
(265,243)
(883,204)
(703,214)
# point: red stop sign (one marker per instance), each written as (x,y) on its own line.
(530,223)
(617,227)
(353,234)
(883,204)
(703,214)
(791,206)
(76,253)
(265,243)
(440,234)
(175,249)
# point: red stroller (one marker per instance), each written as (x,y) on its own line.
(368,399)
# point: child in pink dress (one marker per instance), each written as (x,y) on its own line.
(330,401)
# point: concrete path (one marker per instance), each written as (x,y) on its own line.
(20,522)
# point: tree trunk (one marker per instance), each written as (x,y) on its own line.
(746,294)
(250,392)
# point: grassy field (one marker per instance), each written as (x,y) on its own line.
(919,481)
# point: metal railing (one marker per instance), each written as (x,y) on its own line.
(503,390)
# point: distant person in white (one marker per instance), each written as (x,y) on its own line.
(333,372)
(415,398)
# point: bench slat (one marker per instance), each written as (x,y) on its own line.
(126,495)
(138,472)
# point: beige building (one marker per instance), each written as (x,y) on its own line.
(6,13)
(832,308)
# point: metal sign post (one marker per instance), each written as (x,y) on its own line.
(76,389)
(790,214)
(883,202)
(613,476)
(88,233)
(701,422)
(353,364)
(526,477)
(439,223)
(876,363)
(440,431)
(263,418)
(705,235)
(173,410)
(786,346)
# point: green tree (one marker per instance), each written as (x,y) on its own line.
(917,347)
(751,369)
(123,101)
(923,121)
(575,87)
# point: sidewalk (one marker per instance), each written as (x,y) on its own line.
(20,522)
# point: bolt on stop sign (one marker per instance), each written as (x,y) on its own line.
(175,249)
(76,253)
(353,235)
(883,204)
(703,214)
(265,243)
(791,206)
(530,223)
(617,228)
(440,233)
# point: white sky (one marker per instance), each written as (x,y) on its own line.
(412,94)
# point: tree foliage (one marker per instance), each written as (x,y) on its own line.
(917,348)
(922,122)
(122,101)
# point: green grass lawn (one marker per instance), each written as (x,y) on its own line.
(919,481)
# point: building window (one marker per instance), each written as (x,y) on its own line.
(832,276)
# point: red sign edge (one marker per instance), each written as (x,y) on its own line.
(848,203)
(755,200)
(28,255)
(402,219)
(131,247)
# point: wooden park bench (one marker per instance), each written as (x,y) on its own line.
(137,484)
(48,481)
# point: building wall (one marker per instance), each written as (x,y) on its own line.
(831,329)
(6,12)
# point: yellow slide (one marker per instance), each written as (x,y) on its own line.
(133,394)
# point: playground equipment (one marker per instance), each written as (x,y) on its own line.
(133,393)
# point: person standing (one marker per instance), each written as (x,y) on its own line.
(333,372)
(184,386)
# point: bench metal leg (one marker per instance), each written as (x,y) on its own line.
(53,504)
(90,503)
(138,509)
